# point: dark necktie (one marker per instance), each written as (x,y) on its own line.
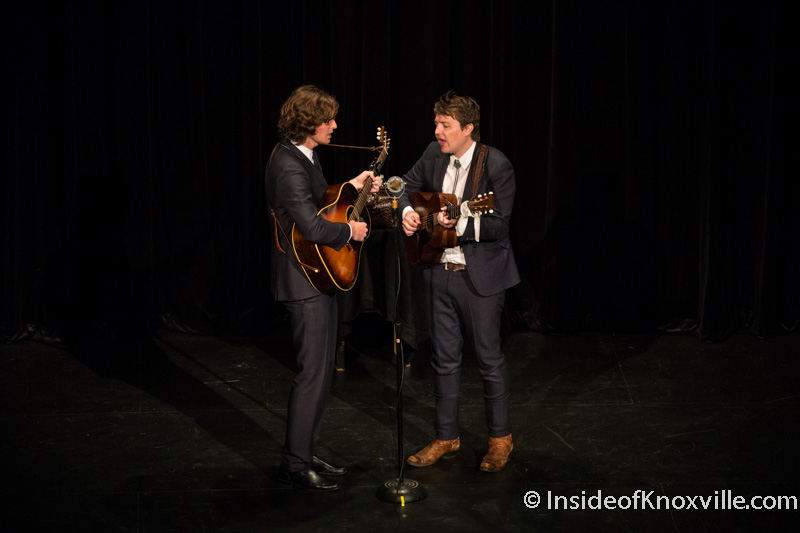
(456,164)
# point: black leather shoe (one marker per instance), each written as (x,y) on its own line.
(324,468)
(306,480)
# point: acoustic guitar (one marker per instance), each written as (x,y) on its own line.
(427,244)
(326,268)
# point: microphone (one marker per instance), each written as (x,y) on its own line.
(395,185)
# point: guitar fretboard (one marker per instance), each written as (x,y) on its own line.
(375,167)
(361,201)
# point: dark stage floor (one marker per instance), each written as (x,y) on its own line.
(185,433)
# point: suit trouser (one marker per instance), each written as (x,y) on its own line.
(314,322)
(458,312)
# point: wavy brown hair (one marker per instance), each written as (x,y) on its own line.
(462,108)
(306,108)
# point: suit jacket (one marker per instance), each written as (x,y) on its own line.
(295,187)
(490,263)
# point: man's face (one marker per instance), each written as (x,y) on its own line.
(322,135)
(453,139)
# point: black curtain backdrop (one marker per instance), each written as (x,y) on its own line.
(655,144)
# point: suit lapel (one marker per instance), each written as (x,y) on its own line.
(439,169)
(314,171)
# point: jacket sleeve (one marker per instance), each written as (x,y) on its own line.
(419,177)
(293,188)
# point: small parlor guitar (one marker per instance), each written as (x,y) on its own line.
(427,244)
(329,269)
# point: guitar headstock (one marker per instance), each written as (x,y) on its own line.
(482,204)
(384,141)
(383,137)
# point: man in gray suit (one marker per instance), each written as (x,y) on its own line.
(467,288)
(295,186)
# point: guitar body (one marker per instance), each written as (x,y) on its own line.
(326,268)
(427,244)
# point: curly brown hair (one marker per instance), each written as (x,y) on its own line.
(462,108)
(306,108)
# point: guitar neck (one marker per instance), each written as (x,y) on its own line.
(454,211)
(361,200)
(366,190)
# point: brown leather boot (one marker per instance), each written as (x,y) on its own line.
(434,451)
(497,456)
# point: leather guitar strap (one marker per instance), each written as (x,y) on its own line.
(483,150)
(277,239)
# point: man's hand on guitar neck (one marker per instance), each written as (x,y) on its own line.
(443,221)
(358,181)
(359,230)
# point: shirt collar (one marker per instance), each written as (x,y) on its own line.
(465,159)
(308,152)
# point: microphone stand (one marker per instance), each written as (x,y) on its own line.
(399,490)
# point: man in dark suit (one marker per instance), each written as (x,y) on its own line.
(467,288)
(295,187)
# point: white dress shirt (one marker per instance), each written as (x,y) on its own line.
(456,254)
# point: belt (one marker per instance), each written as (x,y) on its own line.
(453,267)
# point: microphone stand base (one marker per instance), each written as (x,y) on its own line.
(406,491)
